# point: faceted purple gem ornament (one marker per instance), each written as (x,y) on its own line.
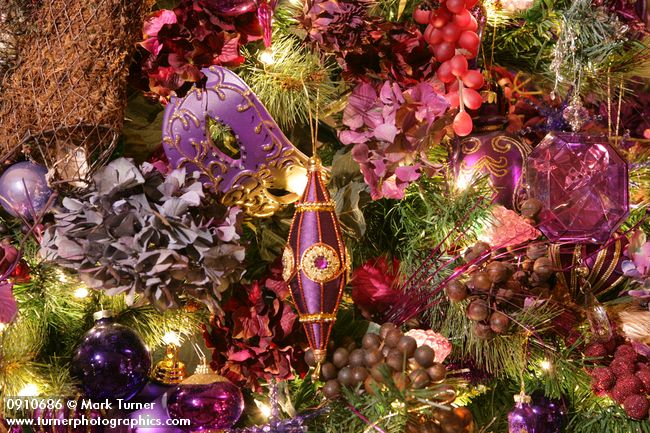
(583,183)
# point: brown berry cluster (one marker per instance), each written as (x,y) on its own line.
(623,375)
(391,357)
(458,419)
(497,286)
(381,357)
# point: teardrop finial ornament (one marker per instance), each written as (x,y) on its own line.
(315,261)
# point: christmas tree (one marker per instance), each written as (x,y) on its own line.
(325,216)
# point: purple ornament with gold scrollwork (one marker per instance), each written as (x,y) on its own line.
(492,151)
(315,261)
(251,155)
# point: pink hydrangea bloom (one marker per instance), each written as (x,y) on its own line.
(440,345)
(508,229)
(388,128)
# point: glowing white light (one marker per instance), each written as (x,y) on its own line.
(267,57)
(81,293)
(464,180)
(546,365)
(29,390)
(172,337)
(265,409)
(61,276)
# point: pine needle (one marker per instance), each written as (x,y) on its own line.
(281,85)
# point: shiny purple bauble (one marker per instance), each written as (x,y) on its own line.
(551,413)
(213,406)
(151,391)
(112,361)
(495,153)
(23,189)
(522,419)
(232,8)
(152,419)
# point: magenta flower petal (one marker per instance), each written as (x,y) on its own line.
(353,137)
(8,306)
(385,132)
(390,188)
(408,173)
(154,23)
(361,153)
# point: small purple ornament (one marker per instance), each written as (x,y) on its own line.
(232,8)
(253,158)
(112,361)
(152,419)
(522,418)
(551,413)
(208,400)
(491,150)
(583,183)
(265,11)
(23,189)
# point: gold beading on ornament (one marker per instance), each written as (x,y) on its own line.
(288,263)
(320,263)
(327,206)
(318,317)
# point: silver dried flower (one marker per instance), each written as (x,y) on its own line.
(140,233)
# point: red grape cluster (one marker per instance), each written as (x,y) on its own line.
(452,34)
(623,375)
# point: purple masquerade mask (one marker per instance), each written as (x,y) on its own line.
(225,133)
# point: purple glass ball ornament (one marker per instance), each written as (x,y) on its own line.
(23,189)
(551,413)
(522,418)
(208,400)
(583,183)
(152,419)
(112,361)
(233,8)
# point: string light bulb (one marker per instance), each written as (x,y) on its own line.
(29,390)
(464,180)
(172,338)
(546,365)
(267,57)
(81,293)
(265,409)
